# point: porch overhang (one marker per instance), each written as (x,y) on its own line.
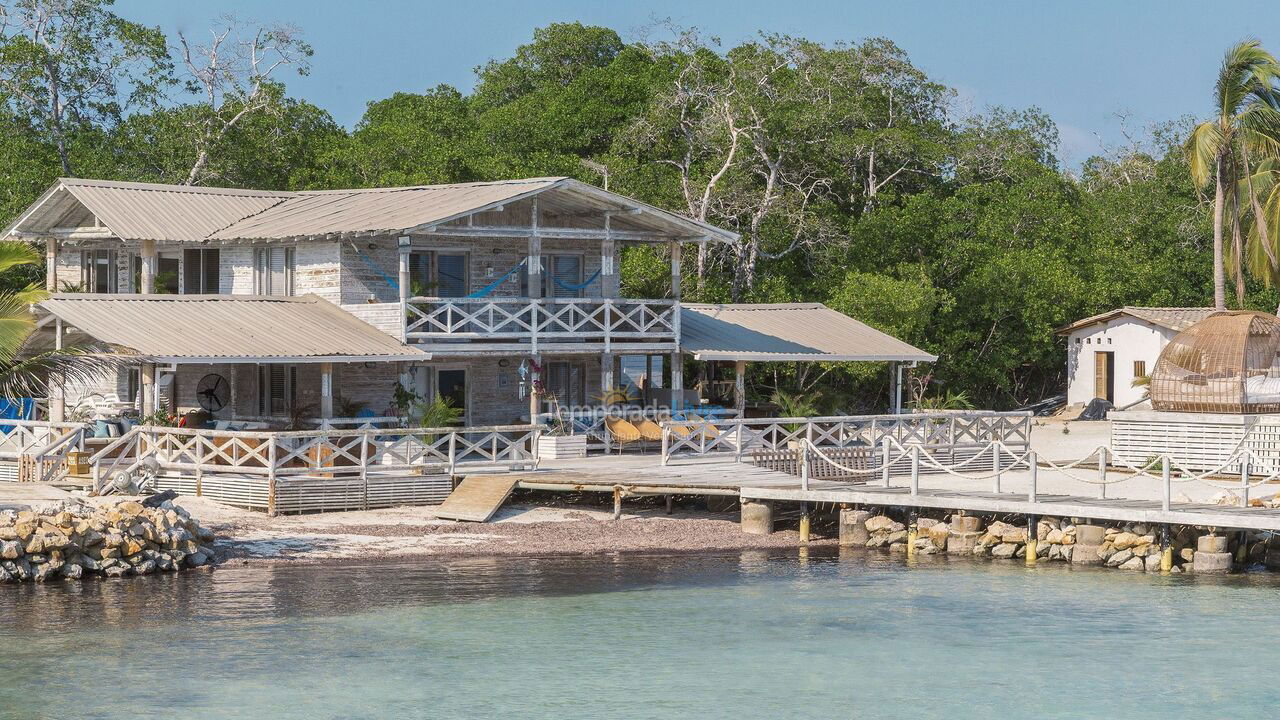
(787,332)
(210,329)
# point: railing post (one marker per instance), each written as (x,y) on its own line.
(1166,478)
(995,464)
(1244,479)
(1033,468)
(271,474)
(666,441)
(1102,471)
(884,461)
(804,466)
(915,470)
(608,324)
(364,467)
(536,453)
(738,440)
(453,453)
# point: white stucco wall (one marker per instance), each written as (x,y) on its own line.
(1130,339)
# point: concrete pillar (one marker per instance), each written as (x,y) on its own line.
(757,517)
(147,284)
(740,387)
(1211,555)
(326,390)
(853,527)
(1088,539)
(51,264)
(404,281)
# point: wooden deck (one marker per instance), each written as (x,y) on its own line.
(645,475)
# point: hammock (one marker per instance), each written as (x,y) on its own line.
(393,284)
(487,289)
(578,286)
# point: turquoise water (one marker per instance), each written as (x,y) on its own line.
(748,635)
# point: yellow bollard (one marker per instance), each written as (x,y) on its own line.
(911,542)
(804,528)
(1031,551)
(1166,559)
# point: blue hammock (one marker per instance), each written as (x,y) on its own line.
(487,289)
(578,286)
(393,284)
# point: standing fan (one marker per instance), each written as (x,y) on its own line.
(213,392)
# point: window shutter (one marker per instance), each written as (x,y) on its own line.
(191,275)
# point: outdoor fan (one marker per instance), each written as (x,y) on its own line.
(213,392)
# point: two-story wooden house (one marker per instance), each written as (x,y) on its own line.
(480,291)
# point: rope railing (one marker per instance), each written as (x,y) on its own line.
(1005,459)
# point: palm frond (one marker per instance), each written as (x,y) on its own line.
(1202,149)
(14,253)
(30,376)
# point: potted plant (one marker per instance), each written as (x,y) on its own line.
(558,440)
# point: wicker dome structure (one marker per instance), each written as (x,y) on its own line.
(1226,363)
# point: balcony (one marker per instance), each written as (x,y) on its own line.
(488,326)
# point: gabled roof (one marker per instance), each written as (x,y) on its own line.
(179,213)
(787,332)
(1173,318)
(212,328)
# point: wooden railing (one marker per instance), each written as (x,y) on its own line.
(324,454)
(954,436)
(544,323)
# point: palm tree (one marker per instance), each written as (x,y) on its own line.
(1219,150)
(25,372)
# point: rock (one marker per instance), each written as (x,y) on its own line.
(205,535)
(1141,529)
(5,575)
(1105,551)
(1119,557)
(989,540)
(965,523)
(72,571)
(852,529)
(1004,550)
(10,549)
(1067,552)
(89,563)
(939,535)
(879,523)
(923,524)
(35,544)
(962,542)
(116,569)
(130,508)
(893,537)
(131,546)
(894,547)
(1055,552)
(1152,562)
(980,550)
(1186,554)
(1145,549)
(44,571)
(146,567)
(1133,563)
(1124,540)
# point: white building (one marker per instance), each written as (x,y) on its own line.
(1106,352)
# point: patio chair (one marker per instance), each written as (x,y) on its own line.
(622,432)
(709,430)
(649,430)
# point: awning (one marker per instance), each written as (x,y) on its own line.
(224,328)
(783,332)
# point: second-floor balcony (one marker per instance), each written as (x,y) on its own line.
(468,326)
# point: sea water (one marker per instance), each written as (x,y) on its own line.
(739,635)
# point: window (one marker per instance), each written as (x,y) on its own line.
(167,266)
(200,272)
(275,389)
(1139,368)
(98,271)
(567,382)
(451,384)
(451,274)
(567,269)
(273,271)
(439,274)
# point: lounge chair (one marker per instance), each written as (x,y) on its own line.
(649,430)
(709,430)
(622,432)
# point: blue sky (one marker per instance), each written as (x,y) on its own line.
(1083,62)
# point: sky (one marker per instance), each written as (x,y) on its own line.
(1085,62)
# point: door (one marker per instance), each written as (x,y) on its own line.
(1104,376)
(451,384)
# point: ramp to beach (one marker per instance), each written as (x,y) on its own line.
(477,497)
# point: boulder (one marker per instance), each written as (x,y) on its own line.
(1152,562)
(939,535)
(10,549)
(879,523)
(1053,537)
(1004,550)
(1124,540)
(1133,563)
(893,537)
(1119,557)
(71,571)
(1068,551)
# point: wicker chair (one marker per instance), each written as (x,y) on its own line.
(622,432)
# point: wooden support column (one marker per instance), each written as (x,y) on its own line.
(326,390)
(148,388)
(51,264)
(404,281)
(57,391)
(677,381)
(609,277)
(535,378)
(675,271)
(534,263)
(607,381)
(740,387)
(677,363)
(148,276)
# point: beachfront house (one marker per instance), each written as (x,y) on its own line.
(278,311)
(1108,351)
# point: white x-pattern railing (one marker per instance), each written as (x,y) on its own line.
(537,321)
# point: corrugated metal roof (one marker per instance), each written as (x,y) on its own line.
(787,332)
(1173,318)
(239,327)
(174,213)
(383,210)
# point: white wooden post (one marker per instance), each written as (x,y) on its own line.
(58,392)
(51,264)
(804,467)
(535,377)
(608,255)
(606,374)
(1166,478)
(884,461)
(995,464)
(326,390)
(148,275)
(404,282)
(1244,480)
(1102,472)
(534,269)
(1033,468)
(148,373)
(677,381)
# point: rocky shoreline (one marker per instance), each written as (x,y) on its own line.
(1126,546)
(73,539)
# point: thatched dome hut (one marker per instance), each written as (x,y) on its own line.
(1226,363)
